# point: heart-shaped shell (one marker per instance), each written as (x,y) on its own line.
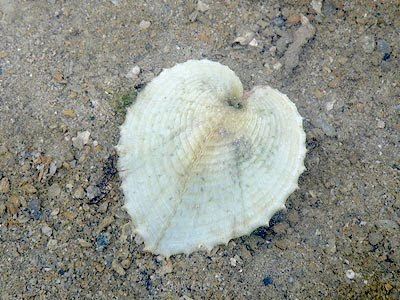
(202,163)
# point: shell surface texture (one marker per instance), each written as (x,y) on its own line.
(202,162)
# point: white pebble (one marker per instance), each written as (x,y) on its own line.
(317,5)
(233,262)
(381,124)
(81,139)
(253,43)
(133,73)
(144,24)
(202,7)
(350,274)
(277,66)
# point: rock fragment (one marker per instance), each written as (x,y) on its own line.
(52,244)
(13,204)
(368,43)
(374,238)
(317,6)
(244,39)
(116,266)
(107,221)
(4,185)
(133,73)
(84,244)
(143,25)
(54,191)
(79,193)
(46,230)
(350,274)
(81,139)
(202,7)
(92,192)
(300,38)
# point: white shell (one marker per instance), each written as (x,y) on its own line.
(201,163)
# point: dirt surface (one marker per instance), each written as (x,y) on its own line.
(67,69)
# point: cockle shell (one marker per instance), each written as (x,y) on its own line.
(201,162)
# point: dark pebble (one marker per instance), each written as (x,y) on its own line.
(102,242)
(61,272)
(277,218)
(267,281)
(386,56)
(264,233)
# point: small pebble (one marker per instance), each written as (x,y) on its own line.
(92,192)
(28,188)
(116,266)
(277,66)
(3,150)
(54,191)
(13,204)
(58,76)
(381,124)
(244,39)
(166,268)
(368,43)
(383,46)
(144,24)
(55,212)
(350,274)
(386,66)
(322,123)
(79,193)
(133,73)
(102,241)
(328,8)
(330,105)
(46,230)
(84,244)
(34,209)
(202,7)
(280,228)
(81,139)
(374,238)
(107,221)
(253,43)
(293,218)
(103,207)
(52,169)
(4,185)
(233,262)
(127,262)
(52,244)
(317,6)
(278,22)
(69,113)
(267,280)
(294,19)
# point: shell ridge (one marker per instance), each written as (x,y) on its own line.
(183,185)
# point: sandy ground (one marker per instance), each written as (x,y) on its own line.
(63,71)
